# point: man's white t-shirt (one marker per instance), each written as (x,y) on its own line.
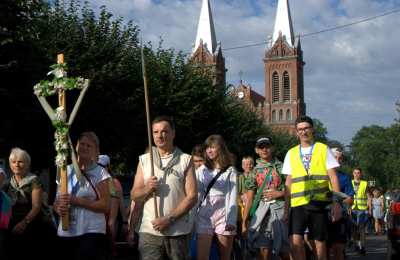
(331,161)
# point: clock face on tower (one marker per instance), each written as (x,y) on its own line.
(240,94)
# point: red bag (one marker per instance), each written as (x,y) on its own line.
(395,208)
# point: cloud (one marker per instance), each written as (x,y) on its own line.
(351,75)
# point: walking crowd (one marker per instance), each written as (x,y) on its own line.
(194,206)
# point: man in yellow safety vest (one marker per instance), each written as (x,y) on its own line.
(359,211)
(310,169)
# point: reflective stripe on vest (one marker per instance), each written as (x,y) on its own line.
(313,186)
(361,199)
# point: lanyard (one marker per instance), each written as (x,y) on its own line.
(269,178)
(306,164)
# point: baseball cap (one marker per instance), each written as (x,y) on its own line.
(336,150)
(264,141)
(104,160)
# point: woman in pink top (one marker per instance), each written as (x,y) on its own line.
(217,214)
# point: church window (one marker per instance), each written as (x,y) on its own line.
(288,115)
(280,115)
(286,87)
(275,87)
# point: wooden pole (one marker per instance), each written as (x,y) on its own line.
(149,130)
(63,169)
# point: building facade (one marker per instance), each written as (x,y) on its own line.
(283,68)
(250,98)
(207,52)
(283,100)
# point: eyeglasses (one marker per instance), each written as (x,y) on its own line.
(263,146)
(305,129)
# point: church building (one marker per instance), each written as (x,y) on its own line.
(283,68)
(207,52)
(283,100)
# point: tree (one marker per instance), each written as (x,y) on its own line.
(19,63)
(376,150)
(320,131)
(106,50)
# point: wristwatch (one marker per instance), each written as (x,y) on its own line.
(26,221)
(171,219)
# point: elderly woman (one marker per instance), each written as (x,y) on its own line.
(86,203)
(27,223)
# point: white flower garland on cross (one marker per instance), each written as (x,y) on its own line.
(63,145)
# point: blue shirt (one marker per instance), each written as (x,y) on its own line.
(345,184)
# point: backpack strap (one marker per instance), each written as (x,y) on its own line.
(91,184)
(211,183)
(257,199)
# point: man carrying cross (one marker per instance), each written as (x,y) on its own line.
(174,184)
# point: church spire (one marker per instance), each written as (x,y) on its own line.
(205,29)
(283,23)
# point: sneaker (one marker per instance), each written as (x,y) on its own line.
(362,251)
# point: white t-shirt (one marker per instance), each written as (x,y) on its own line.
(331,161)
(82,220)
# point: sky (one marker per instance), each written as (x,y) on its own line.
(351,76)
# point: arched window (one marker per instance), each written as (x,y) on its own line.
(275,87)
(280,115)
(273,115)
(288,115)
(286,87)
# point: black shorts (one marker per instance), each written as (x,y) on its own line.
(301,218)
(337,232)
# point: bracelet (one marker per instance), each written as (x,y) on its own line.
(26,221)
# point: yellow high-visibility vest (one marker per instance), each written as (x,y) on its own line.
(314,185)
(360,199)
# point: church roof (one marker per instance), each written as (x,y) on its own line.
(254,96)
(205,29)
(283,23)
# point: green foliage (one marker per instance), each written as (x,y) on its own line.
(15,21)
(377,151)
(320,131)
(47,88)
(106,50)
(20,61)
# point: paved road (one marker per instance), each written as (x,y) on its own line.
(376,249)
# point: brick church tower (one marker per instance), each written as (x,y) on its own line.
(284,83)
(206,52)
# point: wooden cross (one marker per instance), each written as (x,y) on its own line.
(63,143)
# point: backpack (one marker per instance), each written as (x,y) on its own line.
(5,210)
